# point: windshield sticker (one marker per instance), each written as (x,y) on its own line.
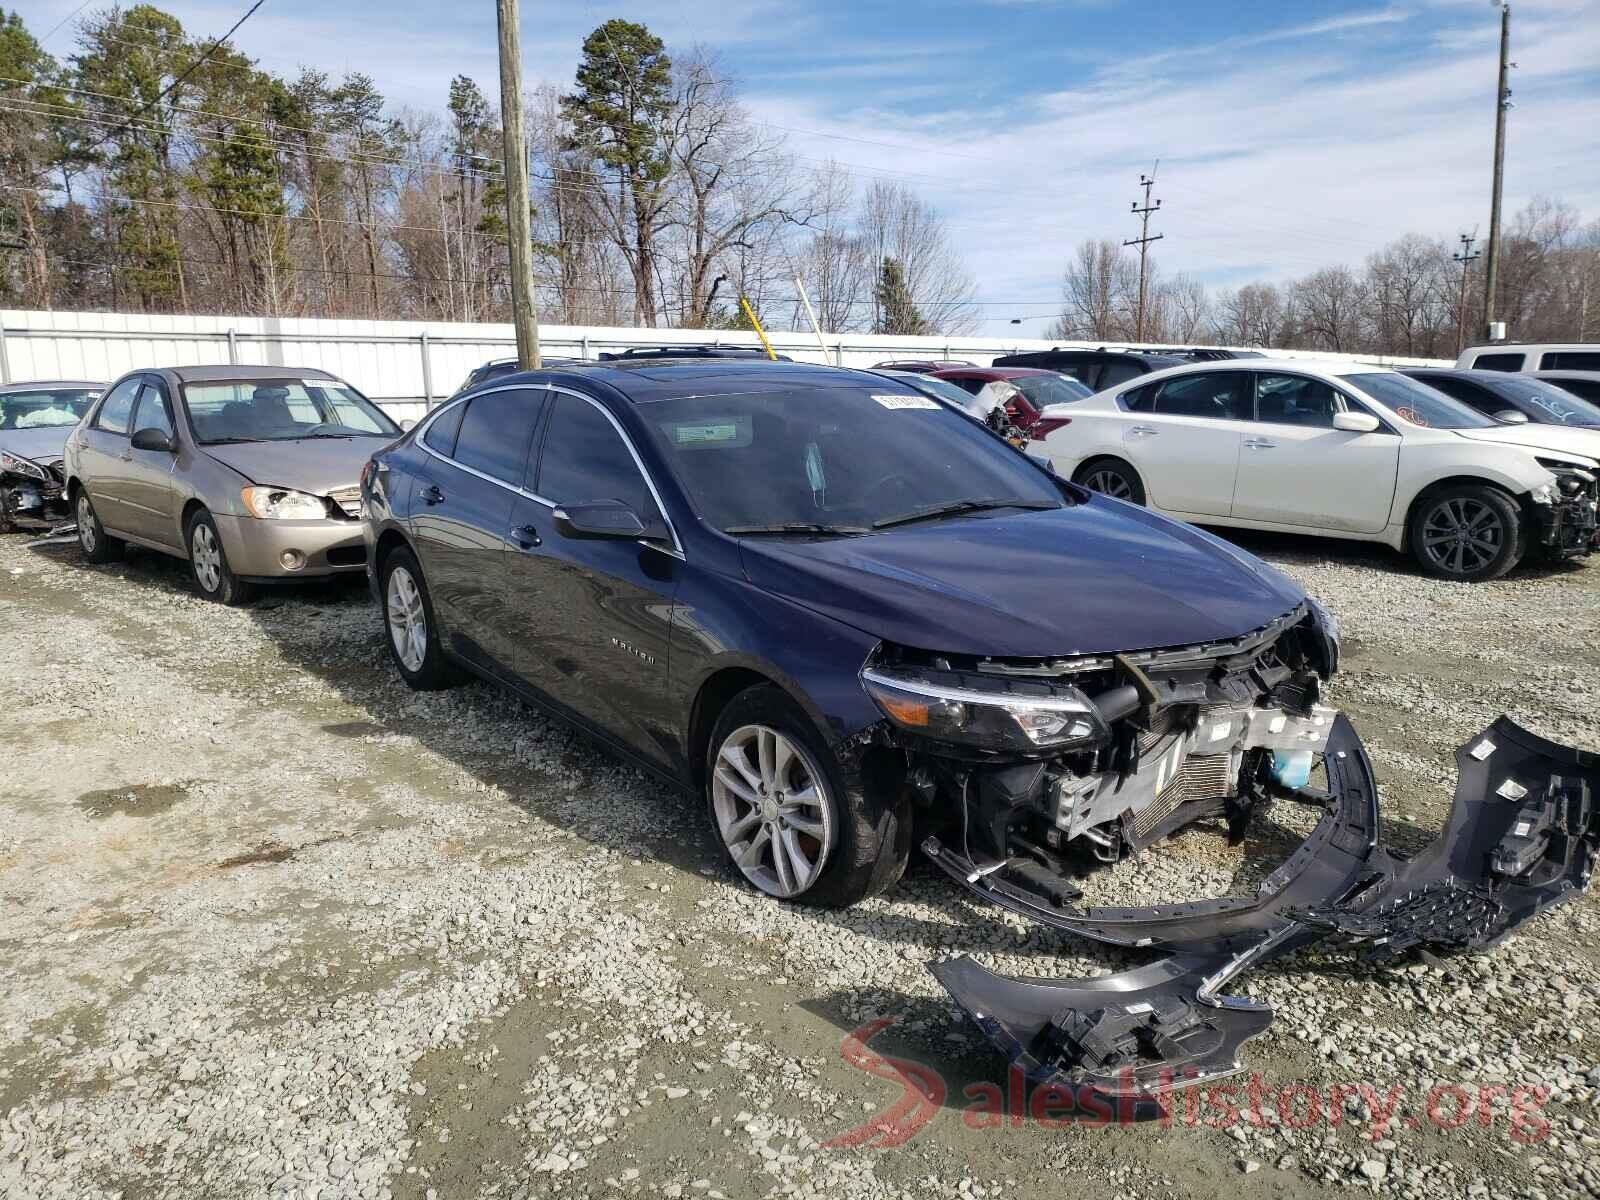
(907,402)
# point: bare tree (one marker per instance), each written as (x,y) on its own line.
(837,274)
(1330,308)
(895,223)
(1097,292)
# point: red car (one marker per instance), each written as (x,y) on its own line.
(921,366)
(1035,389)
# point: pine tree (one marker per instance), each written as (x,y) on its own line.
(897,312)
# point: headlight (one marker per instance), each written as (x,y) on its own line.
(1024,718)
(21,466)
(282,504)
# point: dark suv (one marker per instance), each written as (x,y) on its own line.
(1099,369)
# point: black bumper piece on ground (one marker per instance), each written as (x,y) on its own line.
(1522,835)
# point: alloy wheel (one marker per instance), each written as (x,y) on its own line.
(771,810)
(86,534)
(1462,535)
(1109,482)
(206,556)
(408,622)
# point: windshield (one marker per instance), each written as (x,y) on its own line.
(944,389)
(1050,389)
(281,410)
(45,408)
(1548,403)
(836,460)
(1416,403)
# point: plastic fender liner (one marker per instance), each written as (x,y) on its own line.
(1523,834)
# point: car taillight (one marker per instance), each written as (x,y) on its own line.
(1045,425)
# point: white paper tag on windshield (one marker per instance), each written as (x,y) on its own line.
(907,402)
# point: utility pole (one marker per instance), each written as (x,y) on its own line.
(1466,258)
(518,229)
(1502,101)
(1143,242)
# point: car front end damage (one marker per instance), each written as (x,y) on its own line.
(32,492)
(1032,770)
(1563,513)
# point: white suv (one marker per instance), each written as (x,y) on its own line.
(1528,356)
(1338,449)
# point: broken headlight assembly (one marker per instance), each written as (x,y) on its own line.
(995,715)
(283,504)
(27,468)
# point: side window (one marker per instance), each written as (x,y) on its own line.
(116,413)
(974,386)
(1570,360)
(1114,373)
(1498,362)
(1588,389)
(1141,399)
(1083,370)
(1295,400)
(495,432)
(1219,395)
(440,436)
(586,459)
(153,412)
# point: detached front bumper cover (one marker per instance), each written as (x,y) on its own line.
(1522,835)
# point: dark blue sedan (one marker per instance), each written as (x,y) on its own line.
(832,606)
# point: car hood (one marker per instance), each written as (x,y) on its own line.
(1566,439)
(314,465)
(45,444)
(1089,579)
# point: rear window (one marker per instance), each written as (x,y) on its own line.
(1571,360)
(1119,372)
(1499,362)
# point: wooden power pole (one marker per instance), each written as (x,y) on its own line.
(1502,101)
(1143,242)
(518,228)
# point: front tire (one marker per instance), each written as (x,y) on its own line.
(97,545)
(1111,477)
(414,640)
(791,819)
(1470,533)
(208,563)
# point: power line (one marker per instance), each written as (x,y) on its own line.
(63,21)
(1466,258)
(178,82)
(1143,242)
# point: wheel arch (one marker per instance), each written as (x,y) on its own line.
(1432,488)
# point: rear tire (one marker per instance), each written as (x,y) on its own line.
(414,637)
(208,563)
(97,545)
(1111,477)
(771,780)
(1470,533)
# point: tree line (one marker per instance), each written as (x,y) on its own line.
(1406,299)
(147,171)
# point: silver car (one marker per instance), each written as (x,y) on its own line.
(250,473)
(35,419)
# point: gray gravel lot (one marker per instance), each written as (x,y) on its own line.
(272,924)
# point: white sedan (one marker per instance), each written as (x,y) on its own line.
(1337,449)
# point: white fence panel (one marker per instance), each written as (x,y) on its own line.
(406,365)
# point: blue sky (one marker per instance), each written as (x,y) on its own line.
(1290,136)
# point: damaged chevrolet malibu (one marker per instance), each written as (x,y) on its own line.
(839,611)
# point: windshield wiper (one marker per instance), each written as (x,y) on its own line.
(228,441)
(949,508)
(798,527)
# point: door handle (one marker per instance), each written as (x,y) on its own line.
(1260,444)
(527,537)
(432,495)
(1143,431)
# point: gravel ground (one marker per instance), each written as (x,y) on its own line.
(272,924)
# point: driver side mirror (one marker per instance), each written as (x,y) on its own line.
(1356,422)
(607,519)
(1510,416)
(154,439)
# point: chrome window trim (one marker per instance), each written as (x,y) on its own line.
(675,550)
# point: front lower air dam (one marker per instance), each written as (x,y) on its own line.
(1522,835)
